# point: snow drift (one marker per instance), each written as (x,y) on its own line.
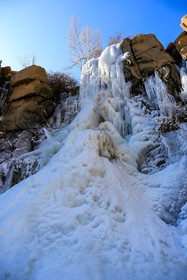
(110,202)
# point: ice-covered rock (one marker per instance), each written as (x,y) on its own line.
(109,199)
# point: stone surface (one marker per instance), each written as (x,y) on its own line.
(171,49)
(33,88)
(184,23)
(23,144)
(181,45)
(26,113)
(133,67)
(149,53)
(30,102)
(29,74)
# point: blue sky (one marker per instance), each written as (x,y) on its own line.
(39,27)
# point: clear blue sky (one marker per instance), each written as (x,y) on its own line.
(40,26)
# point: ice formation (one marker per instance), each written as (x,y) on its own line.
(89,213)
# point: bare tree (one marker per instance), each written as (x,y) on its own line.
(114,39)
(27,61)
(117,38)
(84,42)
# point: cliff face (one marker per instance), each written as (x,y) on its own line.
(27,104)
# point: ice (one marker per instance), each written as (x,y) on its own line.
(183,74)
(158,95)
(89,213)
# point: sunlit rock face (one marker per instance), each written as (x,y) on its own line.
(31,100)
(184,23)
(147,55)
(108,200)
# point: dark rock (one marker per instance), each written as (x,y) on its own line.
(171,49)
(171,77)
(152,158)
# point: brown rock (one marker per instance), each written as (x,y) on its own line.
(31,101)
(26,113)
(183,53)
(184,23)
(6,70)
(133,67)
(29,74)
(33,88)
(181,45)
(149,53)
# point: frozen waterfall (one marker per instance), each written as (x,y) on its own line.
(109,202)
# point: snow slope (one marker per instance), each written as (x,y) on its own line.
(89,213)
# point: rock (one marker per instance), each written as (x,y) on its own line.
(149,53)
(29,74)
(26,113)
(171,77)
(28,90)
(133,67)
(31,101)
(181,45)
(6,70)
(152,158)
(171,49)
(23,143)
(184,23)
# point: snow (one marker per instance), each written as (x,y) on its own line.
(89,213)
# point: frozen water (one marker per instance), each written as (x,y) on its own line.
(89,213)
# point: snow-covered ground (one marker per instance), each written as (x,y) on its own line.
(89,214)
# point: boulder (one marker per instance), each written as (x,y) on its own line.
(184,23)
(31,101)
(35,88)
(26,114)
(29,74)
(149,53)
(181,45)
(171,49)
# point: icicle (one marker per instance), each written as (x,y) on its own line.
(159,97)
(183,75)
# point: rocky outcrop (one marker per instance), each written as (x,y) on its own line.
(171,49)
(184,23)
(29,74)
(147,55)
(26,102)
(181,45)
(31,100)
